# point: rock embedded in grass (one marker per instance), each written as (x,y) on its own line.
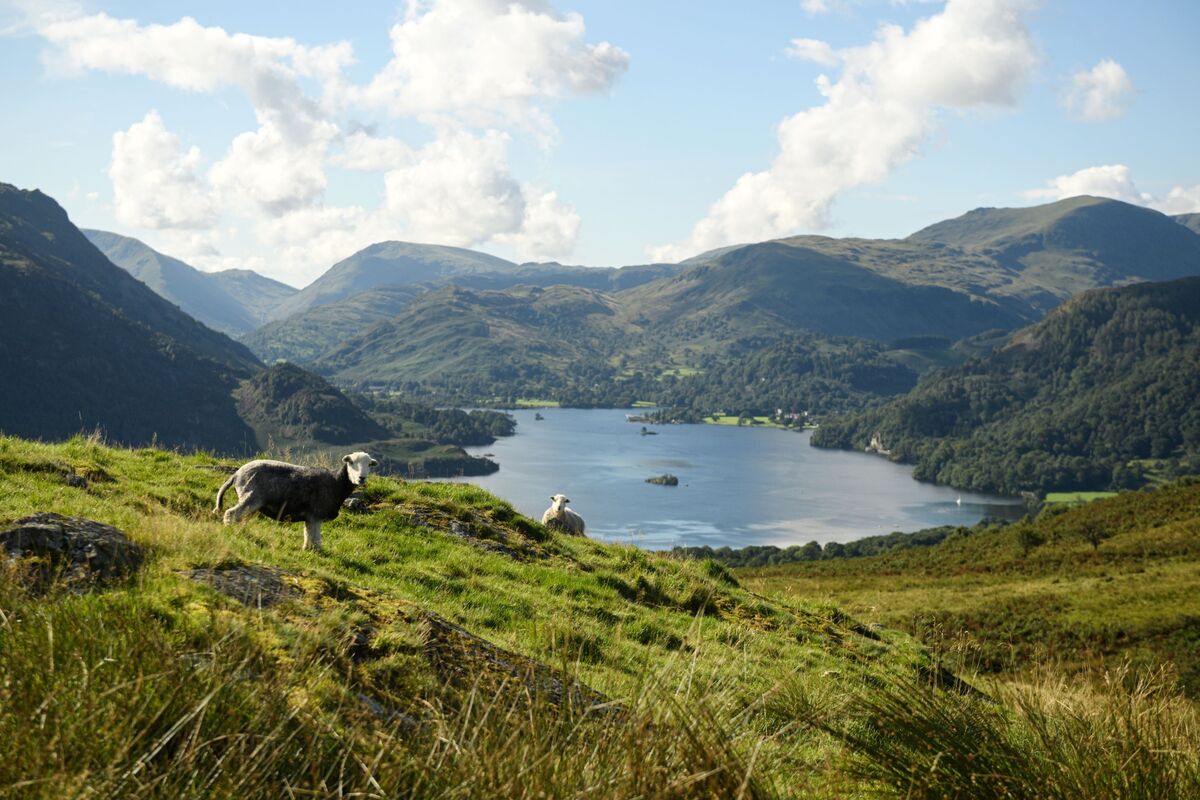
(252,585)
(81,552)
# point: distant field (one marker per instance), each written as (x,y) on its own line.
(760,422)
(531,402)
(644,404)
(1076,497)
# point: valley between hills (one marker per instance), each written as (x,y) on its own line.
(445,645)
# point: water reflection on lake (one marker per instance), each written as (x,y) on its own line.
(736,486)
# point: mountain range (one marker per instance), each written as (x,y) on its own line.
(86,347)
(635,332)
(233,301)
(360,322)
(464,327)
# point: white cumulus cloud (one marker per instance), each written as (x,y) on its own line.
(488,61)
(155,180)
(1100,93)
(548,228)
(1116,181)
(476,72)
(277,173)
(457,191)
(1108,180)
(813,50)
(877,113)
(1180,200)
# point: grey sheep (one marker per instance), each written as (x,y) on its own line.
(292,493)
(561,517)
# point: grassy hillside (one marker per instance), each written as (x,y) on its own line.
(233,301)
(388,264)
(1072,245)
(787,286)
(1081,589)
(1090,398)
(459,340)
(304,337)
(351,645)
(444,646)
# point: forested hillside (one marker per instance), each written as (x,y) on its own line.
(805,372)
(1101,390)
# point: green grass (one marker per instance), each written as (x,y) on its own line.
(727,419)
(533,402)
(1011,599)
(1076,497)
(677,641)
(161,687)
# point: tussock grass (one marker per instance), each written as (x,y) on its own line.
(1036,592)
(1135,739)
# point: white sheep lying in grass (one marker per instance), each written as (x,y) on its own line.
(291,493)
(561,517)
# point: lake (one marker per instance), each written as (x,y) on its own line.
(737,486)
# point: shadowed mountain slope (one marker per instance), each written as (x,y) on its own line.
(84,345)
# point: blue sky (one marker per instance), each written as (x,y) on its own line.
(595,132)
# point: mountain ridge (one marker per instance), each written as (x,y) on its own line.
(234,301)
(86,346)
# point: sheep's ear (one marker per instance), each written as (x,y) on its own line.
(345,459)
(374,463)
(551,498)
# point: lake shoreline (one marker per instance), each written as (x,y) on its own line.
(736,487)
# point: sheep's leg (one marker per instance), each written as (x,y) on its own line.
(247,504)
(312,534)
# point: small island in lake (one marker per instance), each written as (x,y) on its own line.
(664,480)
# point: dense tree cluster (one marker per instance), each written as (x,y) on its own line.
(1086,399)
(805,372)
(290,404)
(770,555)
(442,425)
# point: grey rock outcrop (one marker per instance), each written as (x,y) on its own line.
(81,552)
